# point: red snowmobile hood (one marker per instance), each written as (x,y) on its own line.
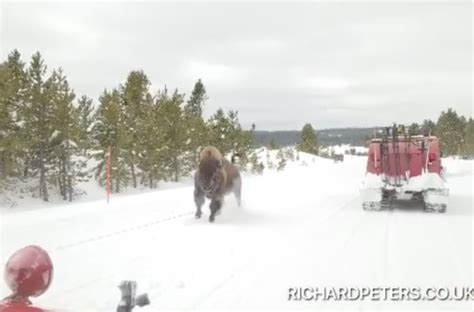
(28,273)
(20,308)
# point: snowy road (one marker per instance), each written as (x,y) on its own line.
(301,227)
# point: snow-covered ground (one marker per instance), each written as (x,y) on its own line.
(303,226)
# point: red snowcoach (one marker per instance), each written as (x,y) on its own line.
(404,167)
(29,272)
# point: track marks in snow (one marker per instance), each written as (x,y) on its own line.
(300,227)
(217,287)
(123,231)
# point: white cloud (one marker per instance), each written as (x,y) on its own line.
(322,84)
(279,64)
(214,74)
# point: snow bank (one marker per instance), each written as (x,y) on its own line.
(425,181)
(457,167)
(299,159)
(372,181)
(22,195)
(415,184)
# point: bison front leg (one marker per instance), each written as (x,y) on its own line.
(215,206)
(199,201)
(238,191)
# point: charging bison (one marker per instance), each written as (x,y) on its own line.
(214,178)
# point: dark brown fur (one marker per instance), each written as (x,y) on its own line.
(214,178)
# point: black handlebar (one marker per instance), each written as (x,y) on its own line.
(129,300)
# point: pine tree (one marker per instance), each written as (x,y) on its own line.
(197,100)
(468,146)
(171,117)
(428,127)
(6,122)
(39,112)
(196,129)
(450,130)
(281,160)
(308,141)
(109,130)
(414,129)
(270,164)
(134,94)
(67,166)
(197,136)
(289,154)
(86,119)
(227,135)
(221,132)
(150,156)
(13,88)
(244,147)
(242,139)
(253,161)
(272,145)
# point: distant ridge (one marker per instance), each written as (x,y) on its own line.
(352,136)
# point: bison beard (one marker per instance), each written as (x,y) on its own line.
(214,178)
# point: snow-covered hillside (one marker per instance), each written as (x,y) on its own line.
(344,149)
(303,226)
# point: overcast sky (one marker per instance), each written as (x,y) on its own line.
(279,64)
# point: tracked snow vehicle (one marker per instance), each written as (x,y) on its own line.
(404,167)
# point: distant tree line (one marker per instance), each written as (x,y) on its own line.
(456,133)
(49,135)
(326,137)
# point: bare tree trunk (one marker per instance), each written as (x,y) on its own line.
(117,186)
(176,169)
(68,172)
(111,185)
(59,183)
(69,186)
(43,188)
(63,177)
(3,166)
(195,158)
(134,178)
(26,166)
